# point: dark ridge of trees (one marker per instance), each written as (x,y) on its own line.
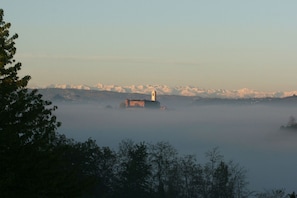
(157,170)
(291,125)
(36,161)
(275,193)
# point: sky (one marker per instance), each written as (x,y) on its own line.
(230,44)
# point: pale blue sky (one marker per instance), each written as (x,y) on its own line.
(228,44)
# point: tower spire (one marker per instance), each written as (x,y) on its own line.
(154,96)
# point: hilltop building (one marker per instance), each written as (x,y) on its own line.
(136,103)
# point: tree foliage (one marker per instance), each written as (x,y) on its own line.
(27,126)
(35,161)
(133,170)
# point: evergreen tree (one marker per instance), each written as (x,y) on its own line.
(27,127)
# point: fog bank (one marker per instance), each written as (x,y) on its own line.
(247,134)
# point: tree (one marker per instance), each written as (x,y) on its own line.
(222,186)
(214,158)
(25,118)
(166,177)
(221,179)
(292,121)
(191,176)
(293,195)
(35,160)
(134,170)
(275,193)
(106,163)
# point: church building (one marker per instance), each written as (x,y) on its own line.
(136,103)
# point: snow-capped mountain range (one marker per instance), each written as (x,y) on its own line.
(180,90)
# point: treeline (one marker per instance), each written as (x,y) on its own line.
(154,170)
(83,169)
(73,169)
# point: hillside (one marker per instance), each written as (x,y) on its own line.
(115,98)
(181,91)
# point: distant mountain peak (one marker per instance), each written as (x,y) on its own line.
(179,90)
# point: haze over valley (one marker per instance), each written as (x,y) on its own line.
(245,131)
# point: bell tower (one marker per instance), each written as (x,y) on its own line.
(154,96)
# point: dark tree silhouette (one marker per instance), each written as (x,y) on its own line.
(164,161)
(35,161)
(134,172)
(27,126)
